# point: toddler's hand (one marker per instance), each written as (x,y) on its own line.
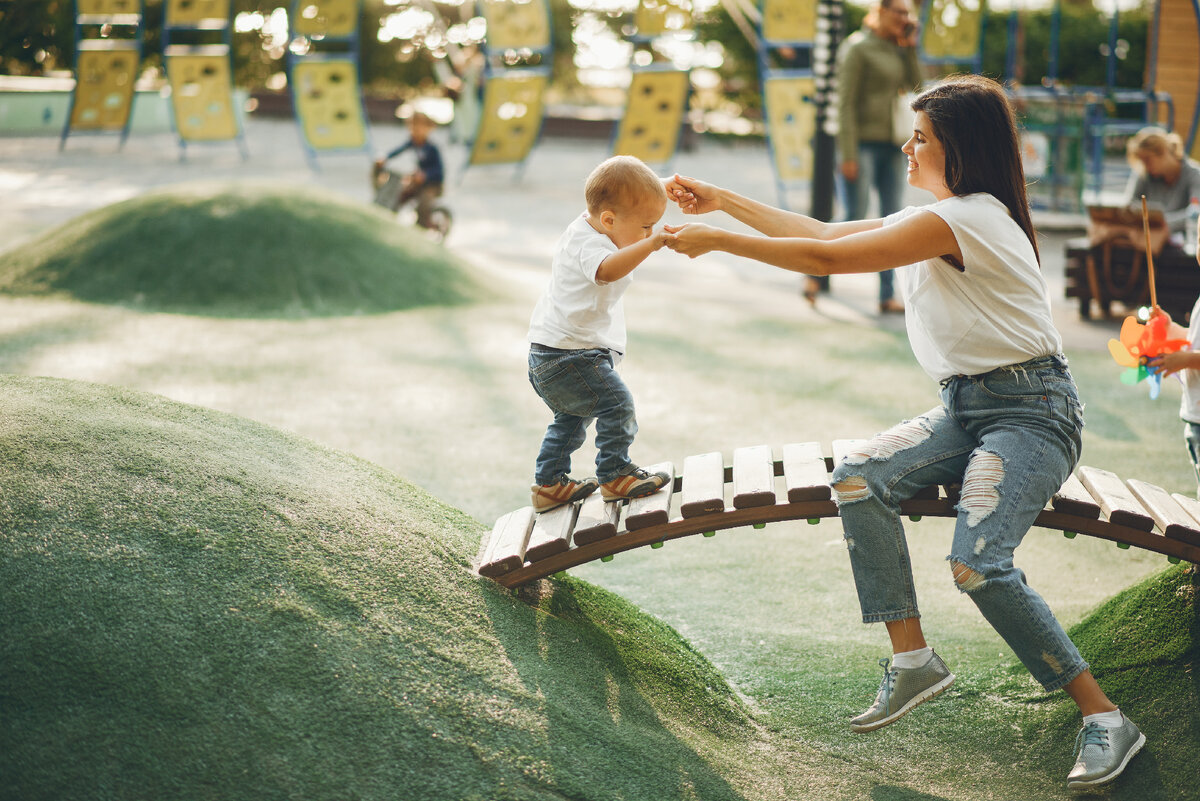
(1172,363)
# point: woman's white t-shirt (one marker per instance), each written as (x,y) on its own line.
(994,312)
(576,311)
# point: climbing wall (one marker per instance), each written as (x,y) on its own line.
(517,24)
(789,20)
(952,31)
(197,56)
(105,71)
(654,112)
(511,118)
(323,76)
(791,124)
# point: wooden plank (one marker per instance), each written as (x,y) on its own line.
(506,548)
(1172,519)
(597,519)
(703,485)
(805,473)
(1074,499)
(1115,499)
(551,532)
(753,477)
(652,510)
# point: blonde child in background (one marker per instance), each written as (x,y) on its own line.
(577,336)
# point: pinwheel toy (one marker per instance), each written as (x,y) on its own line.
(1141,343)
(1138,345)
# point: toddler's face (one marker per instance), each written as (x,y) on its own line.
(635,224)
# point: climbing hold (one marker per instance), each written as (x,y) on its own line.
(1124,546)
(914,518)
(710,533)
(1069,535)
(658,544)
(760,525)
(606,558)
(812,521)
(1173,560)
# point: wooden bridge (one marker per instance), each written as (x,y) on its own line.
(523,546)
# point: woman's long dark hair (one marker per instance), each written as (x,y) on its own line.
(973,120)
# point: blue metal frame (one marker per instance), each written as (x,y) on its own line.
(351,54)
(82,20)
(766,47)
(226,32)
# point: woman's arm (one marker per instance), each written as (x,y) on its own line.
(920,236)
(697,197)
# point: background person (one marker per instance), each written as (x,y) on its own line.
(1163,173)
(874,65)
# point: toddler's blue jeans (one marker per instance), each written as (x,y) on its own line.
(1191,439)
(580,386)
(1012,437)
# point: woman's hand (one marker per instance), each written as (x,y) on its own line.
(692,196)
(692,239)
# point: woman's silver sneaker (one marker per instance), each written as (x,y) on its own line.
(1101,753)
(901,690)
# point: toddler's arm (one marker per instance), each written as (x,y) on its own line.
(620,264)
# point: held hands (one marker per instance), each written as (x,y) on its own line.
(693,196)
(692,239)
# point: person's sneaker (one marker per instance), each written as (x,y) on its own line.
(1101,753)
(552,496)
(901,690)
(635,484)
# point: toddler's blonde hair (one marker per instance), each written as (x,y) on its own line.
(622,183)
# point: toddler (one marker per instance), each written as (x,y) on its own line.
(577,336)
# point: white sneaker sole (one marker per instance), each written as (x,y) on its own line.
(1115,772)
(915,701)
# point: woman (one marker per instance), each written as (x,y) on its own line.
(874,65)
(1010,420)
(1162,173)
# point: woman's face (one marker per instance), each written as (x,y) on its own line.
(1163,166)
(926,158)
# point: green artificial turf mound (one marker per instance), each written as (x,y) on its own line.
(198,606)
(242,251)
(1143,646)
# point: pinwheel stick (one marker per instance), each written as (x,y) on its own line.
(1149,252)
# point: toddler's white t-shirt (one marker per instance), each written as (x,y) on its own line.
(576,311)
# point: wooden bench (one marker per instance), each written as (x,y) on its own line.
(758,489)
(1109,273)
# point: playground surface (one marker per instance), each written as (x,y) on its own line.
(728,354)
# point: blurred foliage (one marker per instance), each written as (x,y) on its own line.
(36,37)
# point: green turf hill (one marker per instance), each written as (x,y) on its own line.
(240,250)
(197,606)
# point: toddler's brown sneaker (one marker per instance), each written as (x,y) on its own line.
(635,484)
(552,496)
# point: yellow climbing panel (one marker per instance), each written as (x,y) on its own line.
(338,18)
(105,70)
(328,104)
(789,20)
(952,30)
(201,97)
(653,116)
(791,124)
(517,24)
(511,117)
(656,17)
(107,7)
(194,12)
